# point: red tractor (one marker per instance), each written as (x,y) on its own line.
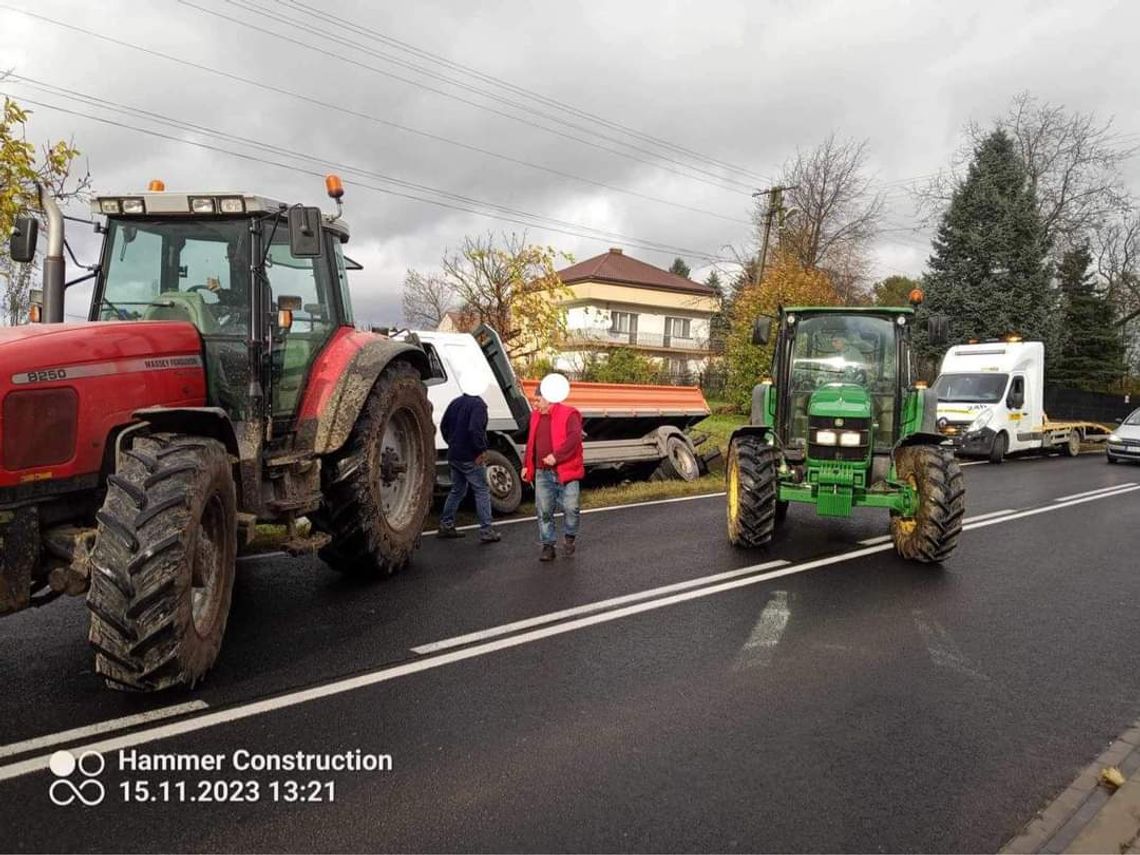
(219,384)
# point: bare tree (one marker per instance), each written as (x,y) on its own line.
(831,212)
(1073,160)
(427,298)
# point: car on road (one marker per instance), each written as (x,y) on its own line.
(1124,442)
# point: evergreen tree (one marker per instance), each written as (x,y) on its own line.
(894,290)
(680,268)
(1092,356)
(989,274)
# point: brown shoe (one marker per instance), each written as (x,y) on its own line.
(569,547)
(547,552)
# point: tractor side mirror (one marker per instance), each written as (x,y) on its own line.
(22,244)
(938,329)
(761,331)
(305,232)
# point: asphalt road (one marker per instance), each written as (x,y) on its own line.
(844,700)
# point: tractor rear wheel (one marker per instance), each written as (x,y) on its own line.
(932,533)
(752,491)
(378,488)
(163,563)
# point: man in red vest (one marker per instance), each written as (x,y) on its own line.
(554,462)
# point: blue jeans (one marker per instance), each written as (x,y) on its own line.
(550,496)
(462,475)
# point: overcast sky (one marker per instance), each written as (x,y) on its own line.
(740,84)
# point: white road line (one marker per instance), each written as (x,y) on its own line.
(594,510)
(337,687)
(1047,508)
(883,538)
(761,644)
(944,651)
(1111,489)
(551,617)
(100,727)
(973,463)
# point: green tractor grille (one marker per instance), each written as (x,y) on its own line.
(847,453)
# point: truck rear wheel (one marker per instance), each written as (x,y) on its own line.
(505,483)
(932,533)
(379,486)
(752,491)
(163,563)
(1073,443)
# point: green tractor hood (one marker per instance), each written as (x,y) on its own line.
(840,400)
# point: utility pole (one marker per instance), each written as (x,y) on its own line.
(775,207)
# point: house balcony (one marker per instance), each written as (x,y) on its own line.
(596,339)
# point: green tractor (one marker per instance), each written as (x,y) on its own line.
(846,425)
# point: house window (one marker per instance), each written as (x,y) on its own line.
(678,328)
(623,322)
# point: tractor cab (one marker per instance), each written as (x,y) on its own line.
(264,296)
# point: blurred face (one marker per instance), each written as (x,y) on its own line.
(542,405)
(838,342)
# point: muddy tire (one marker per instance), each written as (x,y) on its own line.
(163,564)
(378,488)
(932,534)
(999,449)
(680,462)
(751,488)
(505,483)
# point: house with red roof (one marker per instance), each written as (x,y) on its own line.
(616,300)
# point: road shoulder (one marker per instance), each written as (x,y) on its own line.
(1087,816)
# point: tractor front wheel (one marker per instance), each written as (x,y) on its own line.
(752,490)
(163,564)
(379,487)
(932,533)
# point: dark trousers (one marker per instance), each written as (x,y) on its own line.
(464,474)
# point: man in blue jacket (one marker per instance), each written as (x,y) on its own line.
(464,429)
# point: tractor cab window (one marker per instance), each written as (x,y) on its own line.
(165,270)
(845,349)
(310,280)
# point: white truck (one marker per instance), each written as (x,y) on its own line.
(626,427)
(991,402)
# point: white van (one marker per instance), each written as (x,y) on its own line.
(991,401)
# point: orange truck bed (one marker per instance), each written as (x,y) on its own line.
(621,400)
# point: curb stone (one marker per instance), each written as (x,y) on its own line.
(1087,817)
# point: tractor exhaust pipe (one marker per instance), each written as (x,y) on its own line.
(54,267)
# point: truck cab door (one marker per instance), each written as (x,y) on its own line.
(1020,421)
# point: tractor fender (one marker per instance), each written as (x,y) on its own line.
(340,380)
(763,431)
(920,438)
(212,422)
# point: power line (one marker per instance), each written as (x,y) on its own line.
(340,41)
(498,212)
(520,90)
(376,119)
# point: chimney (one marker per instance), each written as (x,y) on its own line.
(616,250)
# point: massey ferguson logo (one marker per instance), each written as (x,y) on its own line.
(102,369)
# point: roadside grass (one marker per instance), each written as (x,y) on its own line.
(719,427)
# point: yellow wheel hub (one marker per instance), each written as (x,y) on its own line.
(733,490)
